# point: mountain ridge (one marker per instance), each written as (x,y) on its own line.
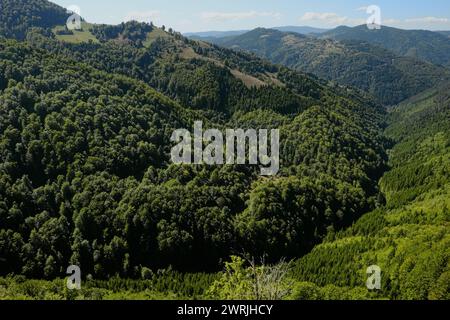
(353,63)
(222,34)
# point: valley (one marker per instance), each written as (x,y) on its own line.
(87,177)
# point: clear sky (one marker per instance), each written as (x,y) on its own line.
(206,15)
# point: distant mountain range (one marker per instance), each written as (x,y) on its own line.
(222,34)
(388,76)
(215,34)
(430,46)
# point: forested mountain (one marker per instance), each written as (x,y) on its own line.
(86,177)
(201,76)
(421,44)
(18,16)
(388,77)
(410,238)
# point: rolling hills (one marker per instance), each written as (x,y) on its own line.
(388,77)
(86,176)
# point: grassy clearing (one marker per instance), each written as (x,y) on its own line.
(78,36)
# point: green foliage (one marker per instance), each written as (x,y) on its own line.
(244,281)
(308,291)
(409,239)
(234,284)
(86,176)
(202,77)
(133,31)
(163,285)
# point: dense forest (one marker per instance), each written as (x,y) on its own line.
(410,237)
(17,17)
(86,177)
(86,146)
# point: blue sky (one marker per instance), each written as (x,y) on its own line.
(205,15)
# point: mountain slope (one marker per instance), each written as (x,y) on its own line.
(227,80)
(86,176)
(425,45)
(106,186)
(18,16)
(388,77)
(410,238)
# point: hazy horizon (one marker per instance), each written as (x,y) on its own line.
(206,16)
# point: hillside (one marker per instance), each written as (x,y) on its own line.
(421,44)
(17,17)
(409,239)
(212,35)
(199,75)
(86,176)
(388,77)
